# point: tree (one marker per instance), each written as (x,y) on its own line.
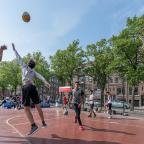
(3,78)
(66,63)
(58,66)
(128,50)
(99,57)
(13,75)
(9,75)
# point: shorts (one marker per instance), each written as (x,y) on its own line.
(29,93)
(65,102)
(92,106)
(109,106)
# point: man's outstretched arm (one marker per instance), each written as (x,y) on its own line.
(39,76)
(2,48)
(20,61)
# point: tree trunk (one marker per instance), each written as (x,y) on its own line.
(127,90)
(102,97)
(15,90)
(133,98)
(2,92)
(123,90)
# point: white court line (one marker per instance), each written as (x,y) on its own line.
(62,116)
(114,122)
(16,130)
(37,121)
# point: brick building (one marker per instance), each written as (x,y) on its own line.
(115,87)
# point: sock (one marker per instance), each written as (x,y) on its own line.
(33,124)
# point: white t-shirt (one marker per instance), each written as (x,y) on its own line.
(91,99)
(109,99)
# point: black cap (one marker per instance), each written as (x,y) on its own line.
(91,90)
(31,63)
(77,82)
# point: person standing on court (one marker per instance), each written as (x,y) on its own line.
(77,98)
(2,48)
(29,91)
(109,101)
(91,101)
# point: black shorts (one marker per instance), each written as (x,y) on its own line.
(91,105)
(29,94)
(109,106)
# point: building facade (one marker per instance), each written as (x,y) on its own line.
(119,90)
(116,85)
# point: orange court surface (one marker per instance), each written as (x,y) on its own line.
(62,129)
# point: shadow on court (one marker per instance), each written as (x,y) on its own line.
(54,140)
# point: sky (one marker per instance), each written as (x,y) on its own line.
(56,23)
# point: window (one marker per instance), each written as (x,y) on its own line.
(110,80)
(130,90)
(136,91)
(82,78)
(119,91)
(113,89)
(90,79)
(123,90)
(116,79)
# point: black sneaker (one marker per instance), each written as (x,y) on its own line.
(33,130)
(44,124)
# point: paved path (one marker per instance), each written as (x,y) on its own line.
(62,129)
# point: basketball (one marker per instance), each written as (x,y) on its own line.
(26,17)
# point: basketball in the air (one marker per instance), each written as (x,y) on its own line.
(26,17)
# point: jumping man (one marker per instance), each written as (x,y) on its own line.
(29,91)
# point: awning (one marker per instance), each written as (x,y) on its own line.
(65,89)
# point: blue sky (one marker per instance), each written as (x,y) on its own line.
(56,23)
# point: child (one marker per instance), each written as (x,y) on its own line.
(65,105)
(91,100)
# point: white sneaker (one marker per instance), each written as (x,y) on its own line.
(110,117)
(44,125)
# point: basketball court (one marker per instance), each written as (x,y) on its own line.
(62,129)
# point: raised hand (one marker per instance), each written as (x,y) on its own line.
(3,47)
(13,46)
